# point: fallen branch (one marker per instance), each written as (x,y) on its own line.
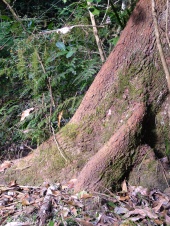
(65,30)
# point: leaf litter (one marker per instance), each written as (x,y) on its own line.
(57,205)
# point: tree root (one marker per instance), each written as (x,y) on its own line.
(116,150)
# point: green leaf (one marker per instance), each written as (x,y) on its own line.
(94,1)
(94,11)
(61,53)
(61,46)
(111,204)
(70,53)
(4,17)
(31,24)
(114,40)
(50,26)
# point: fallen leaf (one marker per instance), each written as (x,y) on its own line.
(27,200)
(5,165)
(26,113)
(83,222)
(59,118)
(123,198)
(124,186)
(17,224)
(142,212)
(74,203)
(138,189)
(65,211)
(71,183)
(120,210)
(84,195)
(13,183)
(167,219)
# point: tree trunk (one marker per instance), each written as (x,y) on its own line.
(117,114)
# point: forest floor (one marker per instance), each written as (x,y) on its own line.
(57,205)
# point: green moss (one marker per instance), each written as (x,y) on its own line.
(44,165)
(89,130)
(120,166)
(70,130)
(151,166)
(131,81)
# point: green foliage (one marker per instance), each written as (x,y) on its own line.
(47,72)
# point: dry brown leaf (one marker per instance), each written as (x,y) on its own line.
(5,165)
(123,198)
(18,224)
(163,200)
(105,220)
(70,184)
(29,209)
(65,211)
(13,183)
(84,195)
(124,186)
(27,200)
(120,210)
(83,222)
(167,219)
(74,203)
(74,211)
(59,118)
(26,113)
(138,189)
(158,222)
(146,212)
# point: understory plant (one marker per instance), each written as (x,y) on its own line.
(48,73)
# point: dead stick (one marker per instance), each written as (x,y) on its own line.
(98,42)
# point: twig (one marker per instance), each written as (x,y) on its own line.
(34,187)
(51,93)
(67,29)
(143,159)
(21,169)
(29,147)
(105,12)
(49,87)
(14,14)
(159,45)
(40,61)
(59,149)
(113,195)
(164,173)
(98,42)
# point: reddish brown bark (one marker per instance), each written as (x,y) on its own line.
(116,149)
(137,49)
(117,114)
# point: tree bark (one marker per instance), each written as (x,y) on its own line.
(118,113)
